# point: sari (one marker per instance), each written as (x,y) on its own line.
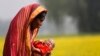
(18,38)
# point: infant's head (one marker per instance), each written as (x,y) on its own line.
(50,42)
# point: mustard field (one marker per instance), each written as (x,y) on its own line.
(87,45)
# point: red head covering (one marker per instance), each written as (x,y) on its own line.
(18,38)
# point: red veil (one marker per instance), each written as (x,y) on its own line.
(18,38)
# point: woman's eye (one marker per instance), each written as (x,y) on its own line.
(41,20)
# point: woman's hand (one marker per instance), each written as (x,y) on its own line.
(35,49)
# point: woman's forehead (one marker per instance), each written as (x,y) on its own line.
(41,15)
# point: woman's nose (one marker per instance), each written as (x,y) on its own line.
(40,23)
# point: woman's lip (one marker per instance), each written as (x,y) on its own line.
(38,26)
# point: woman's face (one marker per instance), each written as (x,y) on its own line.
(37,22)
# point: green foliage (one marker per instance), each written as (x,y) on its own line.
(57,9)
(60,7)
(87,11)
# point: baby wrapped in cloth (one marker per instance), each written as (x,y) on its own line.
(42,48)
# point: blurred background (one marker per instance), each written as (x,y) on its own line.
(73,24)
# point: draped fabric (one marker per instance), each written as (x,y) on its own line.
(18,38)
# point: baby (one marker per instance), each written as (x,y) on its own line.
(42,48)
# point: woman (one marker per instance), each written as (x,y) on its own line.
(23,29)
